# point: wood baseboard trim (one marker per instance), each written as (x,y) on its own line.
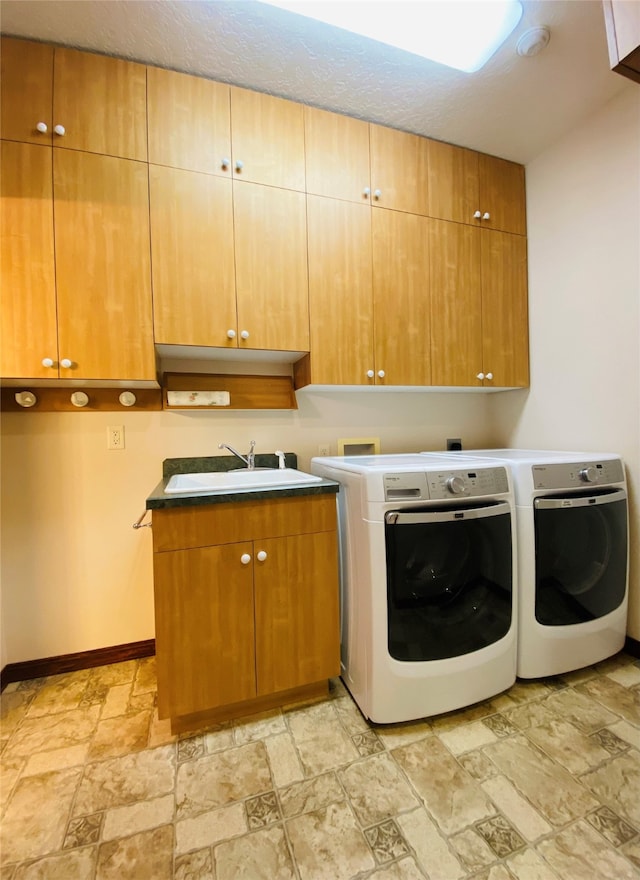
(632,646)
(72,662)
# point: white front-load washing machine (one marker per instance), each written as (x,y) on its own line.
(428,564)
(573,556)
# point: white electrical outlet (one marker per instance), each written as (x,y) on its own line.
(115,437)
(324,449)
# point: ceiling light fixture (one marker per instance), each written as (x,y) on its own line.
(533,41)
(458,33)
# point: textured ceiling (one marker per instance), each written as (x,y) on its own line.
(514,107)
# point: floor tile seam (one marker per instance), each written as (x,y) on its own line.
(574,774)
(55,853)
(606,843)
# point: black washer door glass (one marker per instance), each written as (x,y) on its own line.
(449,586)
(581,562)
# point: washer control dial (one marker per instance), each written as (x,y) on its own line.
(455,485)
(589,474)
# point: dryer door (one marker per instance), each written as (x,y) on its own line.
(449,580)
(581,556)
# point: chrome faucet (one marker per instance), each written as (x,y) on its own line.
(250,457)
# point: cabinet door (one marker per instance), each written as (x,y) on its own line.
(189,122)
(337,155)
(194,292)
(453,183)
(340,292)
(26,90)
(399,176)
(103,266)
(205,633)
(296,600)
(27,270)
(267,136)
(102,104)
(504,309)
(401,298)
(272,285)
(502,194)
(456,304)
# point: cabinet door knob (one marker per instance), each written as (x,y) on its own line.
(370,374)
(489,376)
(231,334)
(225,163)
(245,334)
(477,215)
(377,193)
(381,374)
(66,363)
(59,129)
(480,376)
(47,362)
(239,164)
(366,192)
(245,559)
(42,127)
(262,555)
(486,216)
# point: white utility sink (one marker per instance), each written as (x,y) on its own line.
(217,481)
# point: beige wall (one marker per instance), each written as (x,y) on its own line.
(76,576)
(583,212)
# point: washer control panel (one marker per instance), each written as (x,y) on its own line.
(579,474)
(445,484)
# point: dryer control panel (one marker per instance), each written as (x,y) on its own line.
(577,475)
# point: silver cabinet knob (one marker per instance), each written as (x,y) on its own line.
(477,215)
(262,555)
(480,376)
(231,334)
(48,362)
(239,165)
(59,130)
(66,363)
(486,216)
(42,127)
(245,559)
(366,192)
(370,374)
(245,334)
(489,376)
(224,163)
(377,194)
(381,374)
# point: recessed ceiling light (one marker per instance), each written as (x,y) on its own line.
(458,33)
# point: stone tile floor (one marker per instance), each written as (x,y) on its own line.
(540,783)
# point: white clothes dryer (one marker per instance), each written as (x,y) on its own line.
(573,556)
(427,568)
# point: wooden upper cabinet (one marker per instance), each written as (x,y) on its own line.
(505,337)
(340,294)
(337,155)
(399,174)
(26,90)
(27,271)
(189,122)
(101,102)
(103,266)
(453,182)
(473,188)
(502,193)
(401,298)
(456,304)
(267,136)
(272,284)
(194,286)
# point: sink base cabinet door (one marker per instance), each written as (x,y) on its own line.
(205,636)
(297,626)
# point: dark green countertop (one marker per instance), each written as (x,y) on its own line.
(157,500)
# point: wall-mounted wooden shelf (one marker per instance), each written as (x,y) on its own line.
(222,391)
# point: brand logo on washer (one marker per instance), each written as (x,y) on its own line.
(567,502)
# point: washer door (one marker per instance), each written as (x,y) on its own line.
(581,556)
(449,580)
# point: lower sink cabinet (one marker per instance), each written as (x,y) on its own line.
(246,603)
